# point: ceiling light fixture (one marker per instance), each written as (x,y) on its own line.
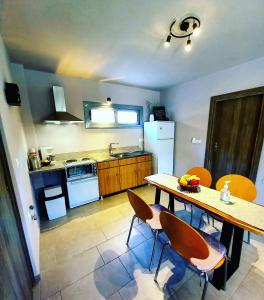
(184,29)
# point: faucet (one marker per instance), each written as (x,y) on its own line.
(110,148)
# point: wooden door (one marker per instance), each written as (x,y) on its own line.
(128,176)
(108,181)
(235,134)
(16,275)
(143,169)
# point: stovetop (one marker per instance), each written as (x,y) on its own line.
(79,161)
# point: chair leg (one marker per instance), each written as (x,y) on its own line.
(248,240)
(225,274)
(185,207)
(153,248)
(130,229)
(205,285)
(160,260)
(191,215)
(208,219)
(201,219)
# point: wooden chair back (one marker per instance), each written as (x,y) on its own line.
(141,208)
(184,239)
(240,186)
(203,174)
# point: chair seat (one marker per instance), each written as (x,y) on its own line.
(217,252)
(154,223)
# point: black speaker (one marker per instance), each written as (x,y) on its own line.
(12,94)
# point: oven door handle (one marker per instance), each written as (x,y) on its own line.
(77,181)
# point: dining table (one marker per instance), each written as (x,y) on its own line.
(237,215)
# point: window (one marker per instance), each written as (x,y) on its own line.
(127,117)
(104,115)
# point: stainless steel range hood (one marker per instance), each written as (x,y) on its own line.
(60,116)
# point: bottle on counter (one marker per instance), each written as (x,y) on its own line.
(225,193)
(34,160)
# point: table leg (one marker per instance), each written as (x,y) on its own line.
(157,196)
(230,234)
(171,203)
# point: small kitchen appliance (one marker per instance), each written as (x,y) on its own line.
(47,153)
(82,181)
(33,158)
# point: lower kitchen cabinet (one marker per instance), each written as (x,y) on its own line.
(118,175)
(108,181)
(144,169)
(128,176)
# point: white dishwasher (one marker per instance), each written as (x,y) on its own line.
(82,183)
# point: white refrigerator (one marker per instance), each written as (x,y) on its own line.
(159,140)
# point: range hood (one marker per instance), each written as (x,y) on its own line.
(60,116)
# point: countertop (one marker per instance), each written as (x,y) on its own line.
(59,165)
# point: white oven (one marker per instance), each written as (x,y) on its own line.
(82,183)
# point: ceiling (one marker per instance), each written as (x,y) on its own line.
(123,39)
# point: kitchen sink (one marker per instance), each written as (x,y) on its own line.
(127,154)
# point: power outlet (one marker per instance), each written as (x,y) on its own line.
(196,141)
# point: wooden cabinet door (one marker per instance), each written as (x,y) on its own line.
(143,169)
(128,176)
(109,181)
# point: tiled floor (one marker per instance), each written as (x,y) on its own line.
(87,258)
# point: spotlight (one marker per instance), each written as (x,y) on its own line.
(188,46)
(196,29)
(167,42)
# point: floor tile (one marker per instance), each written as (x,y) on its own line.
(70,271)
(145,288)
(77,244)
(116,246)
(115,228)
(116,296)
(254,279)
(56,296)
(101,284)
(137,260)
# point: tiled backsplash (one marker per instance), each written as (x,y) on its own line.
(93,153)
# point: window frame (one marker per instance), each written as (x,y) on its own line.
(89,105)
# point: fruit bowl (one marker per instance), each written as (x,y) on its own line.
(189,183)
(45,163)
(189,187)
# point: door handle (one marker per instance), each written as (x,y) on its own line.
(32,213)
(215,147)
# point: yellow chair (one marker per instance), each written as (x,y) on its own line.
(198,248)
(239,186)
(205,180)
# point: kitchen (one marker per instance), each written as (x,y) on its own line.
(78,172)
(124,106)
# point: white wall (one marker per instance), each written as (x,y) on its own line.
(16,149)
(188,104)
(70,138)
(18,76)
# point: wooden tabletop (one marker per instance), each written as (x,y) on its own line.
(244,214)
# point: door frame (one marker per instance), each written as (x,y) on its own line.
(211,124)
(10,188)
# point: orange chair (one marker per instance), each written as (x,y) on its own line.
(239,186)
(149,214)
(205,180)
(198,248)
